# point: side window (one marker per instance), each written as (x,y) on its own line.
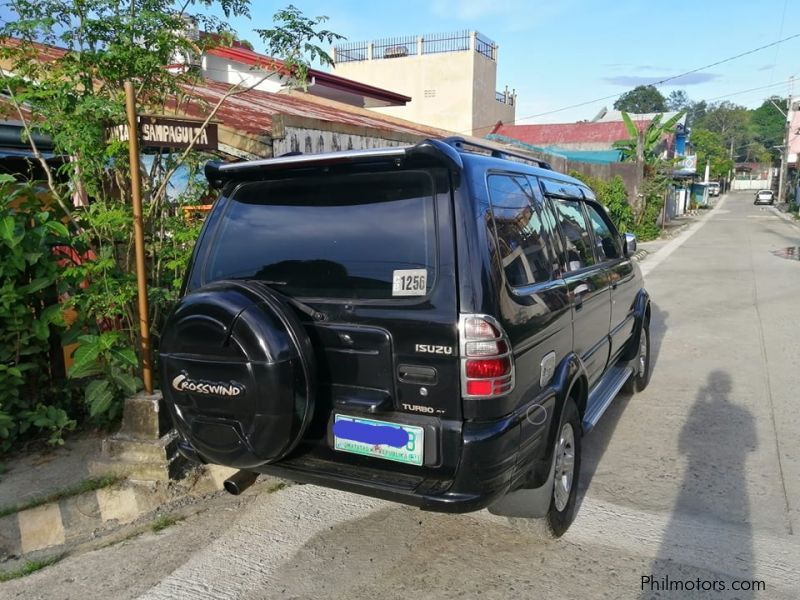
(576,234)
(604,238)
(524,251)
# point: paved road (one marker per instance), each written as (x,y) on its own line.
(698,477)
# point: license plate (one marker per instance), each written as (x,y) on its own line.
(390,441)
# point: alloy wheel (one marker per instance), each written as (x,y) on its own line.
(565,466)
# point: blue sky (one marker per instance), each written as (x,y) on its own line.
(564,52)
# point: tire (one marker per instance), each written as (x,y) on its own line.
(641,364)
(567,457)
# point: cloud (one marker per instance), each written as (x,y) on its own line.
(765,67)
(634,80)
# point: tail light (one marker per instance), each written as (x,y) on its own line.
(487,368)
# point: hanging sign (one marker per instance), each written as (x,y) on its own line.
(162,132)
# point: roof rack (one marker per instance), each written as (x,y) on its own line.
(460,144)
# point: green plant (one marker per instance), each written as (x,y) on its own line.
(642,146)
(164,521)
(29,314)
(29,567)
(107,357)
(614,196)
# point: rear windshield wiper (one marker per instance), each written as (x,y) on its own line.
(301,306)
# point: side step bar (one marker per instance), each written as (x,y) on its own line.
(602,394)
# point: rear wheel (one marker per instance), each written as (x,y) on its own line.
(567,468)
(641,364)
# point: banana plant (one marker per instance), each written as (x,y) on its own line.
(643,145)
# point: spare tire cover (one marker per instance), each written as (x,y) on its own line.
(237,373)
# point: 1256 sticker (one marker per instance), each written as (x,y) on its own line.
(409,282)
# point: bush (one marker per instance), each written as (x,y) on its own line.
(614,196)
(29,315)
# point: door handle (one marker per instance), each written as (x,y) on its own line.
(577,295)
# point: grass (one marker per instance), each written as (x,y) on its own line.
(277,487)
(165,521)
(29,567)
(87,485)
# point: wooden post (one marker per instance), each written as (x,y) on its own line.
(138,237)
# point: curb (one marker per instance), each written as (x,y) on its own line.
(786,216)
(90,518)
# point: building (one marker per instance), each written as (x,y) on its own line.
(239,65)
(451,78)
(793,155)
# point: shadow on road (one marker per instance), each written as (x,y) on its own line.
(716,439)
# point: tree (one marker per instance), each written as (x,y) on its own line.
(731,122)
(642,99)
(695,112)
(71,93)
(642,145)
(709,149)
(769,125)
(678,100)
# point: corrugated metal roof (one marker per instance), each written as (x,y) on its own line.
(556,134)
(252,111)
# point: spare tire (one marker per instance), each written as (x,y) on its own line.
(238,373)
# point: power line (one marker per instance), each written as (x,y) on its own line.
(655,83)
(762,87)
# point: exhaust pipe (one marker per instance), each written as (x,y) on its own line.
(239,482)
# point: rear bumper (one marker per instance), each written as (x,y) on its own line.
(492,459)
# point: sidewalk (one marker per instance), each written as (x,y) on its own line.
(673,228)
(53,502)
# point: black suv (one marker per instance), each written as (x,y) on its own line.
(435,324)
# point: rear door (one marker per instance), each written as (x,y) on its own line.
(587,280)
(374,253)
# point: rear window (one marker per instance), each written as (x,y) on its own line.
(364,236)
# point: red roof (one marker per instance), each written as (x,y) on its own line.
(557,134)
(249,57)
(252,111)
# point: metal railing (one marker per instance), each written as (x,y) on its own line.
(409,45)
(504,97)
(395,47)
(436,43)
(485,46)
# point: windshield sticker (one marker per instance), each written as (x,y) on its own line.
(409,282)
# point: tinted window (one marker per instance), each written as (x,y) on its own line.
(335,237)
(605,241)
(576,234)
(523,245)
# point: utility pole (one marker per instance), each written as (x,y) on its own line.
(785,149)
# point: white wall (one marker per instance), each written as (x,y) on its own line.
(228,71)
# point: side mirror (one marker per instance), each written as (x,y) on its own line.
(629,244)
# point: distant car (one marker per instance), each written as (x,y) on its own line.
(764,197)
(713,188)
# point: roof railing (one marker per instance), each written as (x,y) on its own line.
(462,144)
